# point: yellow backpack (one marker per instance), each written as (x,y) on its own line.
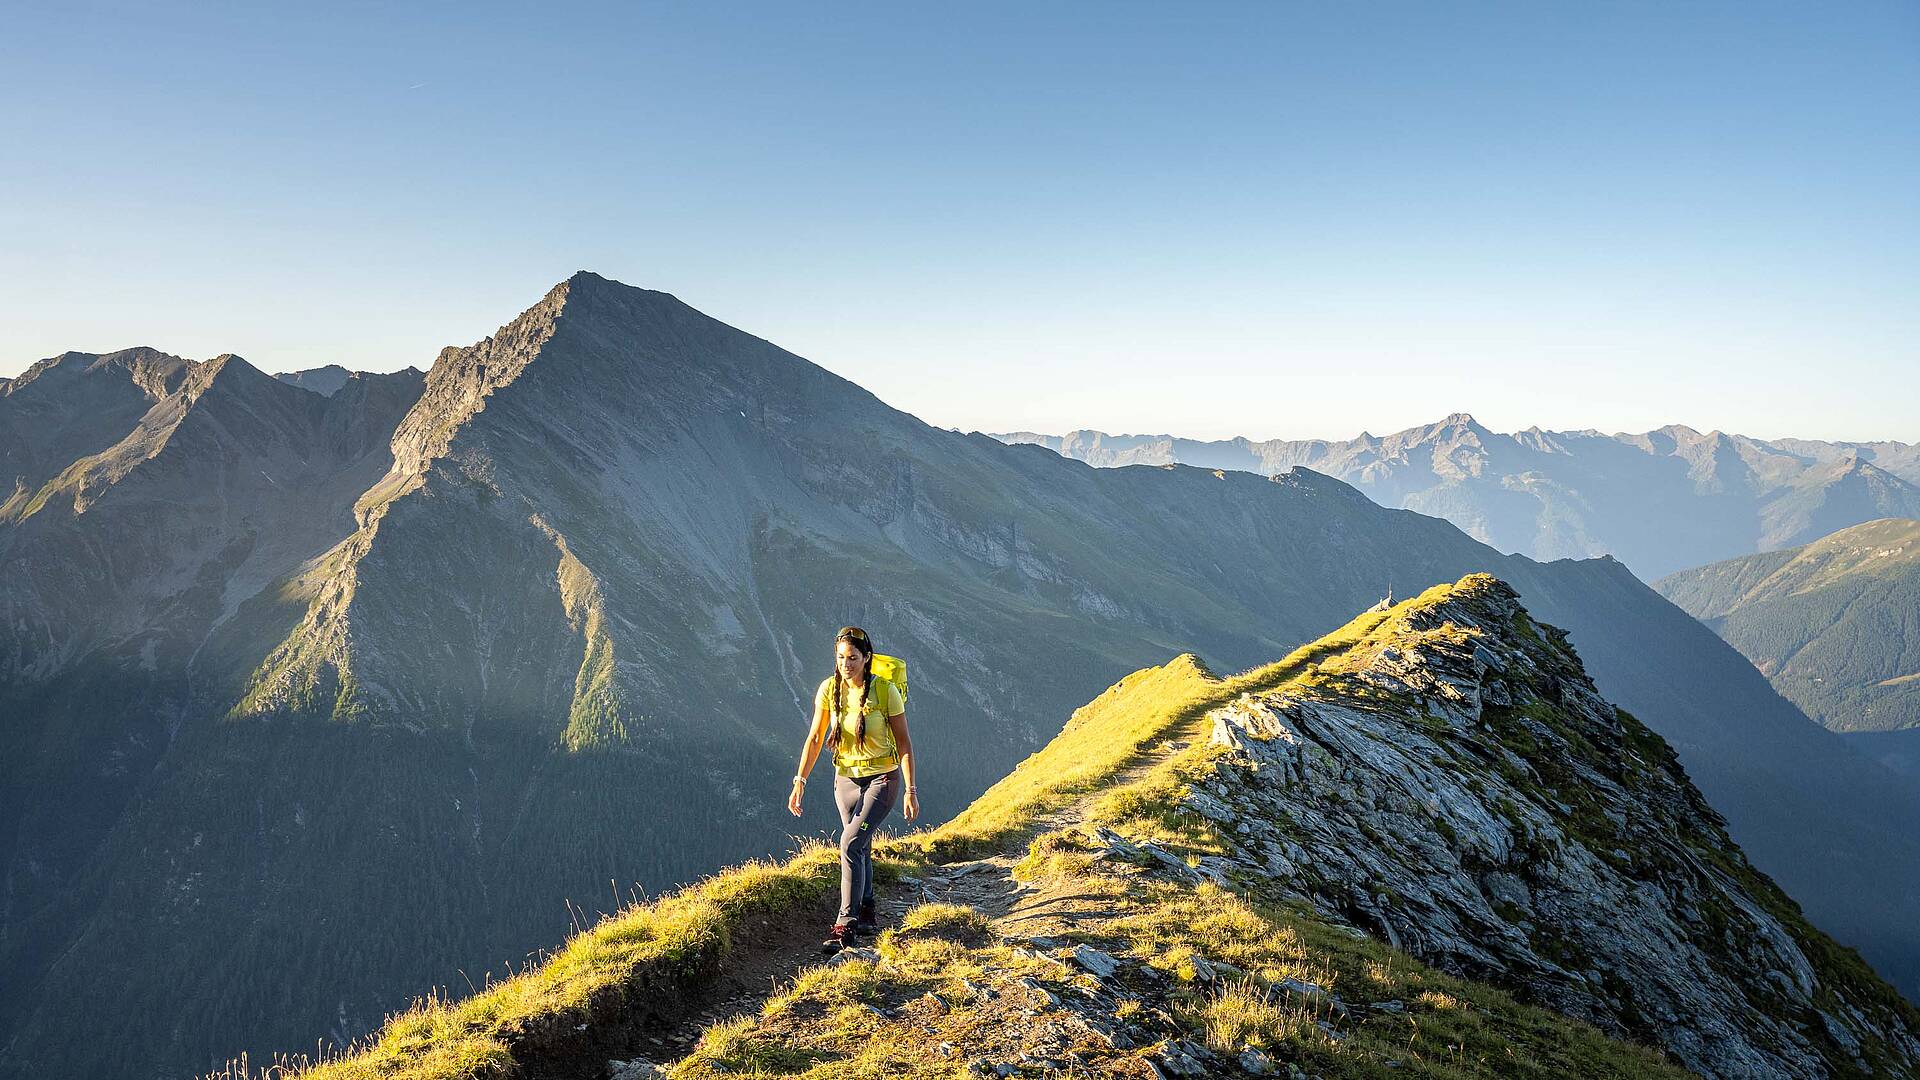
(894,670)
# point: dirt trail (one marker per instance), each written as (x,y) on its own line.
(767,956)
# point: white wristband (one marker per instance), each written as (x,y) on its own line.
(798,779)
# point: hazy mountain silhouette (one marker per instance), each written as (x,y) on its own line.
(1660,501)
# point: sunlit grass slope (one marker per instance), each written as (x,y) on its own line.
(1105,735)
(941,994)
(663,948)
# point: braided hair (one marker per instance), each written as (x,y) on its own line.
(857,638)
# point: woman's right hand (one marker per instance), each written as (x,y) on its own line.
(793,800)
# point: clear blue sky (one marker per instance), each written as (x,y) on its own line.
(1264,219)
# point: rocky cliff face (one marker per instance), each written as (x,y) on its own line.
(1460,789)
(1660,500)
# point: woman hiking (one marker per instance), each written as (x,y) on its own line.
(866,718)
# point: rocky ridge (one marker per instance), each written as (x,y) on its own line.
(190,477)
(1466,794)
(67,407)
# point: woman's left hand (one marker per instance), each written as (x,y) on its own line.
(910,809)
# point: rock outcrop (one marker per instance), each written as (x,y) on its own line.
(1461,790)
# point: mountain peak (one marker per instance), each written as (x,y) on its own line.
(1459,423)
(325,380)
(1823,621)
(156,373)
(586,283)
(591,346)
(228,371)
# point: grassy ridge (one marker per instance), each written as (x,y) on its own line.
(946,989)
(1830,624)
(1106,735)
(664,948)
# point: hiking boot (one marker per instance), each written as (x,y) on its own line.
(867,922)
(837,938)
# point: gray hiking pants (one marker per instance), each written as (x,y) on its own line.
(863,803)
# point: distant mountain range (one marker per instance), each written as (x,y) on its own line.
(311,699)
(1660,501)
(1834,625)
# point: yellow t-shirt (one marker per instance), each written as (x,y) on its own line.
(882,753)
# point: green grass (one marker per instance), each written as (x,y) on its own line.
(1112,732)
(596,717)
(944,993)
(946,920)
(1448,1027)
(669,946)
